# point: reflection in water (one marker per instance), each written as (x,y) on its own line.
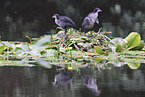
(36,82)
(91,84)
(66,77)
(63,78)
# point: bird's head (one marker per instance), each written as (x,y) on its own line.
(56,16)
(97,10)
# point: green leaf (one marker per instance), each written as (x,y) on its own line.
(25,47)
(133,65)
(99,50)
(139,47)
(97,59)
(9,45)
(2,49)
(133,39)
(44,64)
(42,41)
(115,43)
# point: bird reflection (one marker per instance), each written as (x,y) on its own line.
(91,84)
(63,78)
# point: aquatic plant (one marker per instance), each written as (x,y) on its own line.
(75,50)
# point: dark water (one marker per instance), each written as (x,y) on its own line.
(33,18)
(37,82)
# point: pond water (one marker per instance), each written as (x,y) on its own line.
(42,82)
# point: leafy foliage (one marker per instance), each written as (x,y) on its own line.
(75,50)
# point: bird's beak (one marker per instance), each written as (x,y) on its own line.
(100,10)
(53,16)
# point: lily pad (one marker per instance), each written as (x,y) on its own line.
(133,39)
(133,65)
(42,41)
(138,47)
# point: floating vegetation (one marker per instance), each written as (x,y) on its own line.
(75,50)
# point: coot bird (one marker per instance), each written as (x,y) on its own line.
(63,22)
(89,21)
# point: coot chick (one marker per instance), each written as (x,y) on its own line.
(63,22)
(90,20)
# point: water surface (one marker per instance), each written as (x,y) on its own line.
(37,82)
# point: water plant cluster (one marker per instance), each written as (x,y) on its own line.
(75,50)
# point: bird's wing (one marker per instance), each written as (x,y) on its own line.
(92,17)
(86,22)
(65,19)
